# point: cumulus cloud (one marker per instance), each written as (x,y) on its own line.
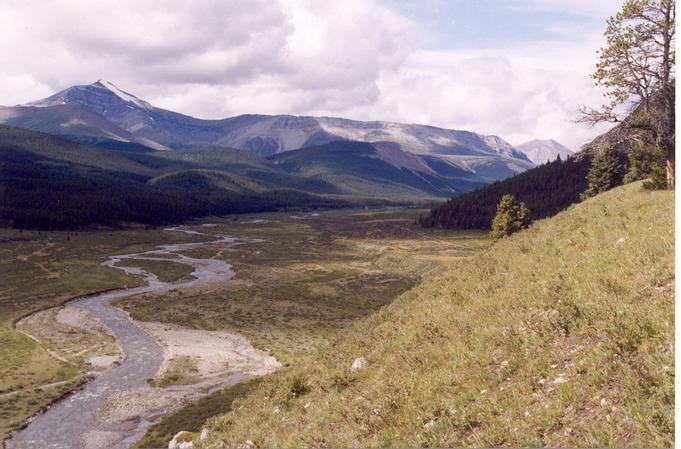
(356,58)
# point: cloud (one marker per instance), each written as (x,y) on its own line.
(360,59)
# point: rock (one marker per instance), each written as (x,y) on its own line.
(203,435)
(559,380)
(247,445)
(620,241)
(359,364)
(181,440)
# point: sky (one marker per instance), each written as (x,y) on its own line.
(518,69)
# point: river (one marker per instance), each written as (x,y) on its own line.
(71,422)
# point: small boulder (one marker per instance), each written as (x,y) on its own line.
(203,436)
(359,364)
(182,440)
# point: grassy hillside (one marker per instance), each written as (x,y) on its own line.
(562,335)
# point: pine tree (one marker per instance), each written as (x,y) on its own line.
(511,217)
(647,162)
(604,174)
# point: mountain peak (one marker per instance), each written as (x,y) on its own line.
(130,98)
(98,96)
(544,150)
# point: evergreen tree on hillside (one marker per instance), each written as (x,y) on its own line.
(604,174)
(511,217)
(647,162)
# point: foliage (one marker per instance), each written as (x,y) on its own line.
(604,174)
(546,190)
(647,163)
(637,69)
(511,217)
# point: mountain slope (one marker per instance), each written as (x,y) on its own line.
(51,183)
(357,168)
(542,151)
(503,350)
(119,115)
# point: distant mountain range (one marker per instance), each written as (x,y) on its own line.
(102,114)
(543,151)
(96,155)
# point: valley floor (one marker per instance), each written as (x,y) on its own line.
(301,279)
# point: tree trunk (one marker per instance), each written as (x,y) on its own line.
(671,174)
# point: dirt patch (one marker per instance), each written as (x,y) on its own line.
(214,352)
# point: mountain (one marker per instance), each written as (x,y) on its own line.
(102,111)
(49,182)
(542,151)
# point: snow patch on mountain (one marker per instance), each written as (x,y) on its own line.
(122,94)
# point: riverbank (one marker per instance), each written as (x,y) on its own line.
(114,409)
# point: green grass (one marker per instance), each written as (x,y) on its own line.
(562,335)
(179,370)
(41,270)
(192,417)
(166,271)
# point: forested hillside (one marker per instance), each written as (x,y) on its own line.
(546,190)
(47,182)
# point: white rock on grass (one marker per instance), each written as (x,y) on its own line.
(359,364)
(203,436)
(175,444)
